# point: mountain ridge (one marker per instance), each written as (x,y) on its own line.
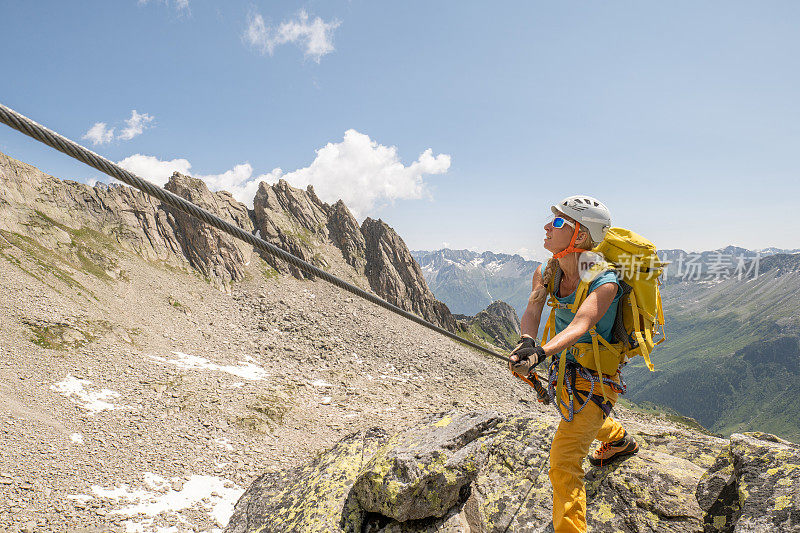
(470,281)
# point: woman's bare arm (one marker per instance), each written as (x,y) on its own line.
(533,312)
(589,313)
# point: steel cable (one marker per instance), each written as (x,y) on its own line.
(42,134)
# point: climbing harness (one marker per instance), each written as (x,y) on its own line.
(573,370)
(42,134)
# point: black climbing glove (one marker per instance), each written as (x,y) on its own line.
(528,353)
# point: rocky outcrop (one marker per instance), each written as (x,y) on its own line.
(498,324)
(488,472)
(292,219)
(330,237)
(44,208)
(346,234)
(421,475)
(215,254)
(394,274)
(313,497)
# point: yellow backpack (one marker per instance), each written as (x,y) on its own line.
(641,317)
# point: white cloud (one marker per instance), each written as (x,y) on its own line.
(240,182)
(153,169)
(358,170)
(365,174)
(314,36)
(99,134)
(135,125)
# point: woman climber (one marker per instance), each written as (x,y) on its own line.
(578,224)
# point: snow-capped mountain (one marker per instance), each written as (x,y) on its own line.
(469,281)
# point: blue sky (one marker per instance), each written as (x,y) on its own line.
(455,122)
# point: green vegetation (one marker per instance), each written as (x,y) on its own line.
(270,410)
(266,270)
(66,336)
(732,356)
(476,334)
(302,234)
(88,251)
(43,259)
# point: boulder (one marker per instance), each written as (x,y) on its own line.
(311,498)
(421,473)
(754,486)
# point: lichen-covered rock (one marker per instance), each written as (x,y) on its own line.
(487,473)
(311,498)
(421,473)
(512,491)
(653,490)
(717,494)
(754,486)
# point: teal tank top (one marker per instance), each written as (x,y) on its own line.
(604,326)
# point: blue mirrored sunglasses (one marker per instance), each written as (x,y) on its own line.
(559,222)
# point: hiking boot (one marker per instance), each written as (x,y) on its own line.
(610,451)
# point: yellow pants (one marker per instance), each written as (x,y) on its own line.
(570,445)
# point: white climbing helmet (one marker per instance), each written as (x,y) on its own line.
(589,211)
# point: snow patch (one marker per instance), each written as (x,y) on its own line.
(494,267)
(225,443)
(321,383)
(216,496)
(246,369)
(77,438)
(93,401)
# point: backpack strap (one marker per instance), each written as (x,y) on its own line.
(562,365)
(638,333)
(596,350)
